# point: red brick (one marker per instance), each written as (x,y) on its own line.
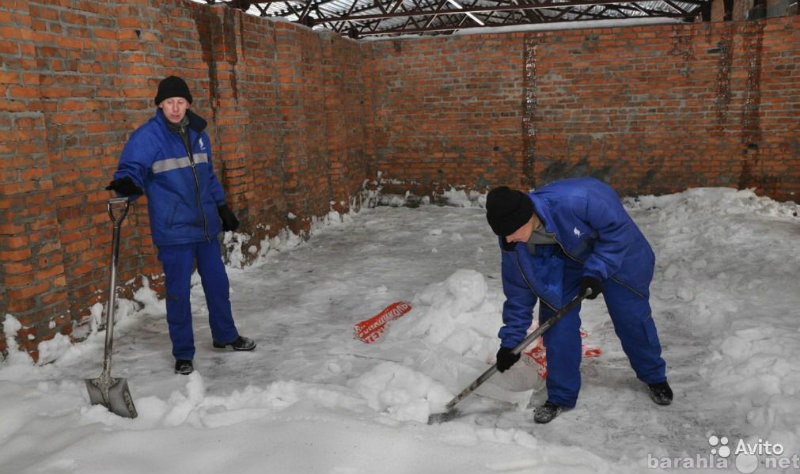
(648,107)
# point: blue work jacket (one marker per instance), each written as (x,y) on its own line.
(183,193)
(593,231)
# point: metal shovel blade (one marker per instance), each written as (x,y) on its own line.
(451,412)
(112,393)
(436,418)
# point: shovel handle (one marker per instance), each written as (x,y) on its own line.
(122,203)
(117,210)
(517,349)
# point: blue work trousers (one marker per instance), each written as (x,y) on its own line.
(179,262)
(633,323)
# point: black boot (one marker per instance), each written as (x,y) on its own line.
(184,367)
(661,393)
(238,344)
(546,412)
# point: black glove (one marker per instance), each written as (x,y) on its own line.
(505,359)
(125,186)
(229,220)
(591,284)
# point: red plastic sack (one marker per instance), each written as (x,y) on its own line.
(537,353)
(372,329)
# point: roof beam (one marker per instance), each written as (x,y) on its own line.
(548,4)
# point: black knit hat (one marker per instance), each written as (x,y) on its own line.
(507,210)
(173,86)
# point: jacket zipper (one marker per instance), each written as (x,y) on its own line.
(196,181)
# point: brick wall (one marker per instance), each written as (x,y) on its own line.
(300,119)
(651,109)
(447,111)
(285,118)
(660,109)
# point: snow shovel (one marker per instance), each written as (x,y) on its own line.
(452,412)
(113,393)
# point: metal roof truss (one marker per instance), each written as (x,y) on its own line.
(388,18)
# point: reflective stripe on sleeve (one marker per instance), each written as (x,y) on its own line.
(170,164)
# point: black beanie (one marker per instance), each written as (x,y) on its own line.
(173,86)
(507,210)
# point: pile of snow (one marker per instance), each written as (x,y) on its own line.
(311,398)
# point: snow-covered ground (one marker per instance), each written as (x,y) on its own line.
(313,399)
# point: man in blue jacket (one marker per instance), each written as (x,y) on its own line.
(169,159)
(567,238)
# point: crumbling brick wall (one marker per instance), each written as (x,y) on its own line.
(300,119)
(284,110)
